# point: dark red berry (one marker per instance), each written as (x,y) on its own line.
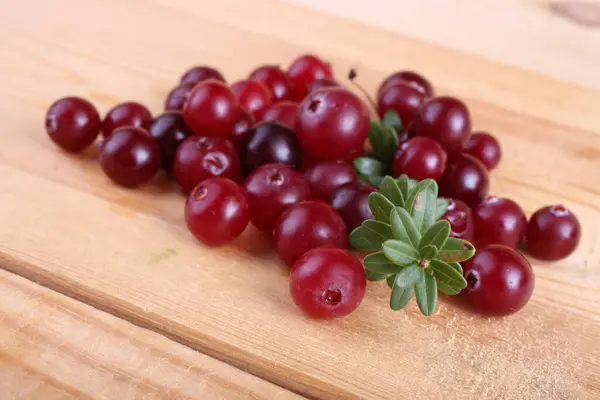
(73,123)
(323,83)
(169,130)
(126,114)
(420,158)
(305,226)
(200,74)
(178,96)
(284,112)
(272,189)
(500,281)
(199,158)
(216,211)
(465,179)
(254,96)
(499,221)
(212,109)
(277,81)
(242,126)
(553,233)
(269,143)
(326,177)
(412,78)
(332,124)
(399,96)
(305,70)
(485,148)
(460,217)
(327,283)
(351,201)
(130,157)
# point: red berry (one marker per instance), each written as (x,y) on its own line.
(351,201)
(327,283)
(254,96)
(305,70)
(420,158)
(216,212)
(485,148)
(326,177)
(460,217)
(212,109)
(465,179)
(332,124)
(272,189)
(242,126)
(200,74)
(323,83)
(176,99)
(500,281)
(169,130)
(399,96)
(499,221)
(305,226)
(412,78)
(553,233)
(199,158)
(446,120)
(130,157)
(284,112)
(277,81)
(72,123)
(126,114)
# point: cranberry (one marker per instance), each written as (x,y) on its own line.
(305,70)
(72,123)
(332,124)
(200,74)
(269,143)
(500,281)
(254,96)
(169,130)
(242,126)
(130,157)
(460,217)
(212,109)
(399,96)
(446,120)
(271,189)
(327,283)
(283,112)
(126,114)
(178,96)
(485,148)
(217,212)
(553,233)
(323,83)
(499,221)
(277,81)
(420,158)
(412,78)
(199,158)
(465,179)
(326,177)
(351,201)
(305,226)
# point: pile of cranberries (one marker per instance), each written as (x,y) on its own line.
(276,149)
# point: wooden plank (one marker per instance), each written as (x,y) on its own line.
(53,347)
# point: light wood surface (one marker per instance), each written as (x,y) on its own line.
(128,252)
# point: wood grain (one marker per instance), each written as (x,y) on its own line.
(128,252)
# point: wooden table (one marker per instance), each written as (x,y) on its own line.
(104,294)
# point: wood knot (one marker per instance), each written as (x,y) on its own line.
(581,13)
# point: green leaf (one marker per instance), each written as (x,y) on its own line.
(392,138)
(375,180)
(456,250)
(368,166)
(428,252)
(426,293)
(380,206)
(448,277)
(390,189)
(373,276)
(390,280)
(391,118)
(404,228)
(409,276)
(412,183)
(400,297)
(421,204)
(370,235)
(456,266)
(441,206)
(379,263)
(384,141)
(403,185)
(436,235)
(399,252)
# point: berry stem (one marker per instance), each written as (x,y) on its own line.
(351,76)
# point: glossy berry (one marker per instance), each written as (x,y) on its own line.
(446,120)
(351,201)
(465,179)
(460,217)
(126,114)
(323,83)
(216,211)
(269,143)
(499,221)
(280,85)
(199,158)
(307,69)
(412,78)
(485,148)
(327,283)
(212,109)
(72,123)
(254,96)
(130,157)
(326,177)
(332,124)
(284,112)
(169,130)
(306,226)
(242,126)
(178,96)
(272,189)
(200,74)
(500,280)
(553,233)
(420,158)
(401,97)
